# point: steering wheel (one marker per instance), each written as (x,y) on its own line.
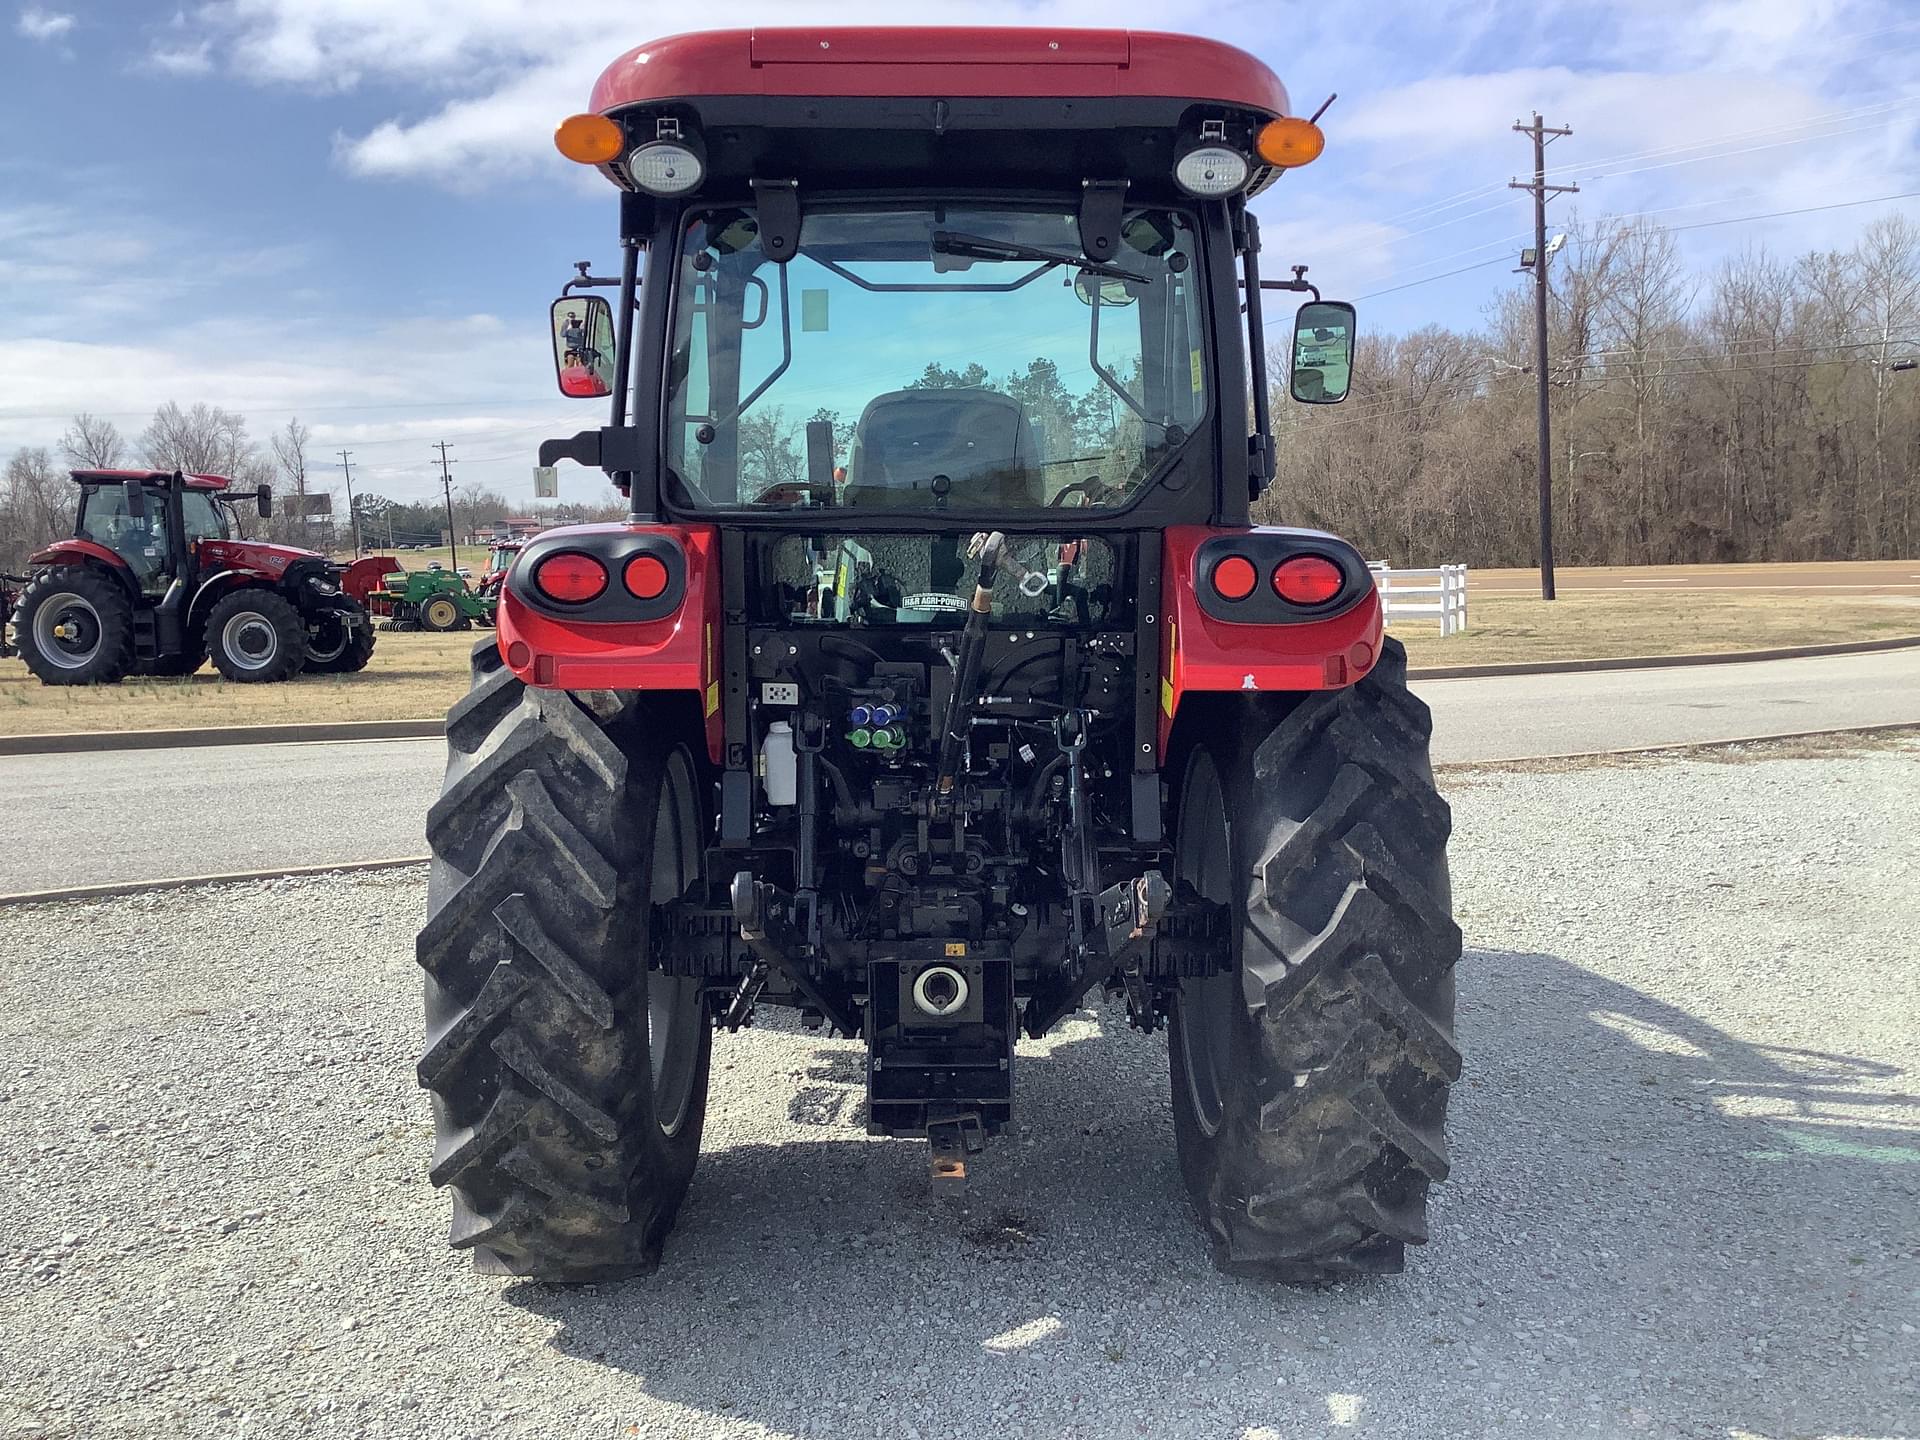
(1092,490)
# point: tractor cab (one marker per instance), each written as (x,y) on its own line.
(152,522)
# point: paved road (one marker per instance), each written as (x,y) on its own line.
(99,819)
(1852,578)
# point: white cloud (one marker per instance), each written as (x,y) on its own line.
(195,59)
(38,24)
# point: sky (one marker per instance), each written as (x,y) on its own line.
(351,210)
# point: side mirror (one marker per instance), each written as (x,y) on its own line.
(583,345)
(136,499)
(1322,352)
(263,501)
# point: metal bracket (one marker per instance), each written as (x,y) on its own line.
(610,448)
(950,1140)
(777,211)
(1102,206)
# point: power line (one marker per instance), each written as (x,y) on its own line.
(1445,275)
(1638,214)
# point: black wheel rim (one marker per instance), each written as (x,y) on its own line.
(1206,1011)
(676,1013)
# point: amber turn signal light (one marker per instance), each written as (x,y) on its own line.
(645,577)
(589,139)
(1290,141)
(1307,580)
(571,578)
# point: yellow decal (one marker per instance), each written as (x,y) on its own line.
(713,697)
(1166,696)
(956,948)
(840,580)
(1195,358)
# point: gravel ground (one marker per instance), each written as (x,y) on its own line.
(1686,1197)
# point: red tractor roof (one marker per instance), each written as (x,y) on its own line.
(946,61)
(194,482)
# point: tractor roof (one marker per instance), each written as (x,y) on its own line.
(971,61)
(194,482)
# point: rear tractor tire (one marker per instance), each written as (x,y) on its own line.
(569,1082)
(1310,1085)
(74,626)
(256,637)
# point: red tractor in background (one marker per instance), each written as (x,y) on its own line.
(158,577)
(974,695)
(499,560)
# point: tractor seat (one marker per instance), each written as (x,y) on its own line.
(980,440)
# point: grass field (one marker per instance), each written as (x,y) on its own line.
(416,674)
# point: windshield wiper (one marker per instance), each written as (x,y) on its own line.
(979,247)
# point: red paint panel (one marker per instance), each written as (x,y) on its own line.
(953,61)
(1200,653)
(251,557)
(681,652)
(73,552)
(942,45)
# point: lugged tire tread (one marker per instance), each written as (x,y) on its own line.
(537,1049)
(1348,946)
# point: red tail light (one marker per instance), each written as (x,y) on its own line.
(1307,580)
(571,578)
(645,577)
(1235,577)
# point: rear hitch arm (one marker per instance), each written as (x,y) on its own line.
(765,915)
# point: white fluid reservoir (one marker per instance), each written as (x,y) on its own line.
(778,772)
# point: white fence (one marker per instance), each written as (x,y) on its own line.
(1447,587)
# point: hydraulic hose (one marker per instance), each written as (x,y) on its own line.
(966,670)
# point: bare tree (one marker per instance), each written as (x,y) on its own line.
(36,506)
(1756,417)
(289,447)
(92,443)
(205,440)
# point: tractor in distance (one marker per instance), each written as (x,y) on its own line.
(158,575)
(939,678)
(500,559)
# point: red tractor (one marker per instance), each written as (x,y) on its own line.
(499,560)
(972,694)
(158,576)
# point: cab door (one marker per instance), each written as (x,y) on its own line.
(140,540)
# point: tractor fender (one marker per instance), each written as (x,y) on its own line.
(87,552)
(221,582)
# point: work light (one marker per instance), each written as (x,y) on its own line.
(666,167)
(1210,171)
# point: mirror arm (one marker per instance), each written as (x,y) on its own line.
(623,339)
(584,281)
(1299,283)
(1261,442)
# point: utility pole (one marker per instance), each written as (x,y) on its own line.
(353,515)
(446,484)
(1540,131)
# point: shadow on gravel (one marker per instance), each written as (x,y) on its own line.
(1653,1227)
